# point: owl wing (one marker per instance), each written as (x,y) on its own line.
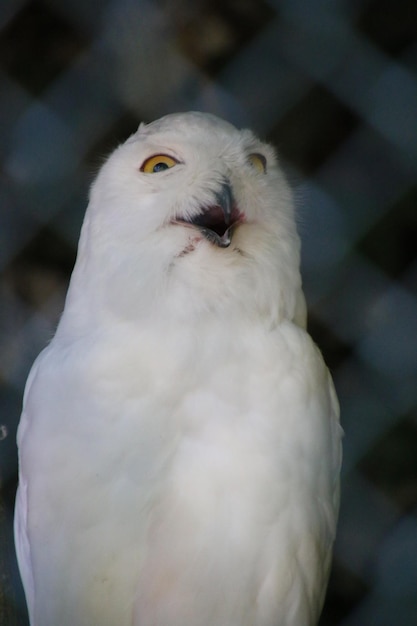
(23,546)
(21,536)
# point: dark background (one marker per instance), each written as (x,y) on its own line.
(333,84)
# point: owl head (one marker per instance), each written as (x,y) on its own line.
(189,215)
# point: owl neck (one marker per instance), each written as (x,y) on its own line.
(150,284)
(107,301)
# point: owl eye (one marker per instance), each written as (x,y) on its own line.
(158,163)
(258,161)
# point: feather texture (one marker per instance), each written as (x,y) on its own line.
(180,440)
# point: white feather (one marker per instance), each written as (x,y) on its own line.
(180,445)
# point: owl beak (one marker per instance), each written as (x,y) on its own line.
(216,225)
(217,222)
(224,199)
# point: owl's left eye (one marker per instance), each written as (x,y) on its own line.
(258,161)
(158,163)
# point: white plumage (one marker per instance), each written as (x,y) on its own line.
(179,442)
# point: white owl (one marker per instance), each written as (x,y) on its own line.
(180,443)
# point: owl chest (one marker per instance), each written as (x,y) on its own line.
(221,524)
(189,477)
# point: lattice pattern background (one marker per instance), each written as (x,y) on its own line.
(333,84)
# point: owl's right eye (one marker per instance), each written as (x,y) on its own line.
(158,163)
(258,161)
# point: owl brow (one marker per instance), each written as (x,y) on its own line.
(254,144)
(156,149)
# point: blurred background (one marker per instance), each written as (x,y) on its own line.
(333,85)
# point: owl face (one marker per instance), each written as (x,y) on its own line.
(218,217)
(191,202)
(195,173)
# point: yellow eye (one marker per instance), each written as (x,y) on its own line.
(158,163)
(258,161)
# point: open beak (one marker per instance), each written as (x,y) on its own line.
(216,222)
